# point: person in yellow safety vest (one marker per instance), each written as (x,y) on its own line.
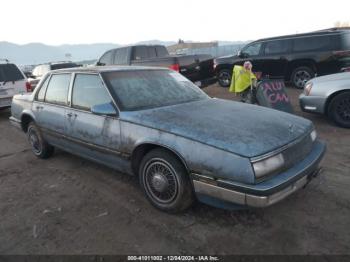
(243,81)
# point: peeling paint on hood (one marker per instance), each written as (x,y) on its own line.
(243,129)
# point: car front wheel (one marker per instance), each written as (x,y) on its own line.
(301,75)
(39,146)
(339,109)
(165,181)
(224,78)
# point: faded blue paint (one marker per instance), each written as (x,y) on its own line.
(246,130)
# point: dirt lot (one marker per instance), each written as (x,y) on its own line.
(67,205)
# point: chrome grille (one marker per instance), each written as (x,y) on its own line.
(297,152)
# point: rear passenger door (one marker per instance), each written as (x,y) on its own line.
(94,136)
(50,105)
(275,57)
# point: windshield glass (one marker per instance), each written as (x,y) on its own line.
(144,89)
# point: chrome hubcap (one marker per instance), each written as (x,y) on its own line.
(160,181)
(301,77)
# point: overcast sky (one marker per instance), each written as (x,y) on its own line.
(127,21)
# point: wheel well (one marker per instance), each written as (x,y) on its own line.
(294,65)
(330,98)
(141,150)
(25,120)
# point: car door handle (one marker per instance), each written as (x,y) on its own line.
(39,107)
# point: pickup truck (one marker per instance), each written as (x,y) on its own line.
(197,68)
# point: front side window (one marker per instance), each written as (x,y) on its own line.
(57,90)
(277,47)
(89,90)
(252,50)
(144,89)
(140,52)
(121,56)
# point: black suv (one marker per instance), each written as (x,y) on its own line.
(295,58)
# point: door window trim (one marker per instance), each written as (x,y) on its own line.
(70,94)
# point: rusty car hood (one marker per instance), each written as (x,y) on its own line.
(246,130)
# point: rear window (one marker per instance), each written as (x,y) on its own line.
(312,43)
(10,72)
(346,41)
(63,65)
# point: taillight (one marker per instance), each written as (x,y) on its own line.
(343,53)
(175,67)
(28,87)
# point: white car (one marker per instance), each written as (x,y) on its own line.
(12,82)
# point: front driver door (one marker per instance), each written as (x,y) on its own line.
(96,137)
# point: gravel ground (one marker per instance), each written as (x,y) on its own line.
(68,205)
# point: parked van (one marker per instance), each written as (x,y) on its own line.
(12,81)
(295,58)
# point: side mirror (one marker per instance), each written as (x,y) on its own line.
(104,110)
(242,54)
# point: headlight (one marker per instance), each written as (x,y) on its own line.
(313,135)
(269,165)
(307,88)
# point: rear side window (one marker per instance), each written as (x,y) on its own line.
(41,93)
(57,90)
(10,73)
(106,58)
(121,56)
(277,47)
(312,43)
(88,90)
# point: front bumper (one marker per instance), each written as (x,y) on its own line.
(265,193)
(312,104)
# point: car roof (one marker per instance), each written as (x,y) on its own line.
(100,69)
(330,31)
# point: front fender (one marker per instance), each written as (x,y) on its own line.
(199,158)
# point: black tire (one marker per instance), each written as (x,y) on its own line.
(165,181)
(224,77)
(339,109)
(301,75)
(39,146)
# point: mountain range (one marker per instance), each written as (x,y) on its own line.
(36,53)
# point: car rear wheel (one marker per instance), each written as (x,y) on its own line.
(301,75)
(224,78)
(39,146)
(165,181)
(339,109)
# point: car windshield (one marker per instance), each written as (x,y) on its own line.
(144,89)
